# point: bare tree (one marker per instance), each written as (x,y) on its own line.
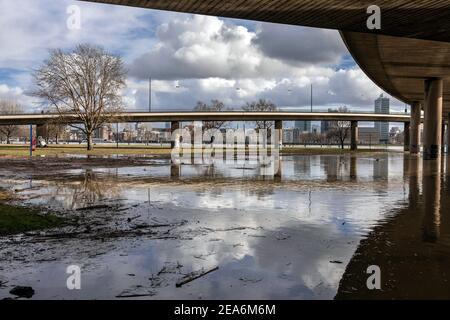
(85,82)
(339,130)
(261,105)
(215,105)
(9,107)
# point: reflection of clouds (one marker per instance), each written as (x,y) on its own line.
(314,230)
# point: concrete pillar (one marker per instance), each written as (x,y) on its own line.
(407,137)
(353,169)
(175,171)
(448,134)
(175,142)
(279,134)
(354,135)
(278,174)
(431,190)
(433,118)
(443,137)
(414,128)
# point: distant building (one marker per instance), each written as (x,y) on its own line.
(296,134)
(315,128)
(325,125)
(303,126)
(103,133)
(382,106)
(288,136)
(368,135)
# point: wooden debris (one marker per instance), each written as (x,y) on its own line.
(194,276)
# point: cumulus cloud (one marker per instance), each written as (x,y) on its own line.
(300,46)
(190,57)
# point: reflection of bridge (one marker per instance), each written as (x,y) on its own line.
(411,244)
(399,57)
(176,117)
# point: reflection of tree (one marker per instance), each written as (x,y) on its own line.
(86,190)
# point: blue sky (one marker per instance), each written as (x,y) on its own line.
(190,58)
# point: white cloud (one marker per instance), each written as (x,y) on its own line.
(210,57)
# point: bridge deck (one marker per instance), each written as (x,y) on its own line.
(22,119)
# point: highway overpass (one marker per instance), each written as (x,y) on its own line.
(176,117)
(408,57)
(39,119)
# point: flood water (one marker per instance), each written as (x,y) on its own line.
(309,232)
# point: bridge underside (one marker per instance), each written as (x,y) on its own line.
(401,65)
(422,19)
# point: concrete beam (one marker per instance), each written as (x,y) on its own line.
(433,118)
(25,119)
(354,135)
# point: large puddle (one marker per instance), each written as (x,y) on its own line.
(310,232)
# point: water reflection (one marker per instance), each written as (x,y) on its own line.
(412,247)
(308,231)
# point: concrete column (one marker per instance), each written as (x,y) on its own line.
(443,137)
(431,190)
(414,128)
(354,135)
(175,171)
(353,169)
(279,134)
(407,137)
(448,134)
(433,118)
(175,142)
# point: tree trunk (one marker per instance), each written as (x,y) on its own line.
(8,139)
(90,145)
(342,144)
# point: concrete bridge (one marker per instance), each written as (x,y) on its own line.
(408,57)
(40,120)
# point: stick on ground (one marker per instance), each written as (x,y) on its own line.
(193,276)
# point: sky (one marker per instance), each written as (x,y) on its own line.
(190,58)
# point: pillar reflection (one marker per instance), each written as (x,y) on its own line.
(431,184)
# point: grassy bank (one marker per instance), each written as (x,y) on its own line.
(54,150)
(17,219)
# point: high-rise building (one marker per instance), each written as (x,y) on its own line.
(303,126)
(325,125)
(382,105)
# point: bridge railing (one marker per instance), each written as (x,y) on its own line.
(178,110)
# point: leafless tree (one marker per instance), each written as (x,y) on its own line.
(261,105)
(339,130)
(9,107)
(85,82)
(215,105)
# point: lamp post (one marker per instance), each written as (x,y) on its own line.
(149,94)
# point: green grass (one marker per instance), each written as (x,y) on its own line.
(15,219)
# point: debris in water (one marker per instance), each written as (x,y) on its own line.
(22,292)
(194,276)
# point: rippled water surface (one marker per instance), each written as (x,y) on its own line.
(309,232)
